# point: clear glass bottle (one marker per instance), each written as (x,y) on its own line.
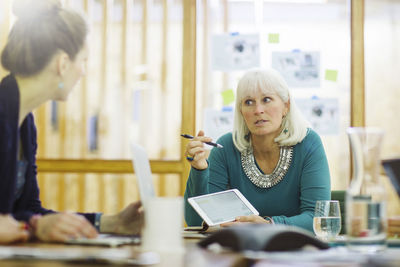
(365,198)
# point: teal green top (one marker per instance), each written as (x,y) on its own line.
(291,201)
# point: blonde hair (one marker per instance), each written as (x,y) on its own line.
(43,28)
(294,126)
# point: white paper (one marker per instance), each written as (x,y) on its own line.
(217,122)
(299,69)
(230,52)
(322,113)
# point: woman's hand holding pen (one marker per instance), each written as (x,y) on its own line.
(196,152)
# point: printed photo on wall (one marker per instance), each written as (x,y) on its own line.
(217,122)
(322,113)
(231,52)
(300,69)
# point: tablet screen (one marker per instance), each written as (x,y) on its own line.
(222,206)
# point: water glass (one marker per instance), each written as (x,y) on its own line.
(327,222)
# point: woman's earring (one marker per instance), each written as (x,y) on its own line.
(60,85)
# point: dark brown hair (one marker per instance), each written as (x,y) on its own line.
(42,29)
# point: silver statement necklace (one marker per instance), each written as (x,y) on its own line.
(266,180)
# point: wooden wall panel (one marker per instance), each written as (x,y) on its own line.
(357,64)
(188,80)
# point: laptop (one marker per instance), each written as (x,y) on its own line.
(392,169)
(107,240)
(141,166)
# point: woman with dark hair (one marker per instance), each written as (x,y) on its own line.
(45,54)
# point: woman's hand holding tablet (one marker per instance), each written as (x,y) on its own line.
(222,207)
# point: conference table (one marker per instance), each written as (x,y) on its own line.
(194,256)
(190,256)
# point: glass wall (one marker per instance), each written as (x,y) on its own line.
(308,42)
(382,85)
(132,90)
(131,93)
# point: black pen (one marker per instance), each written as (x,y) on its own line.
(187,136)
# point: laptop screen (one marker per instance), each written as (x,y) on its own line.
(392,169)
(141,165)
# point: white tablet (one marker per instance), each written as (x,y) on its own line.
(221,207)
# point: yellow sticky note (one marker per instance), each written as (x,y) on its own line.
(228,96)
(273,38)
(331,75)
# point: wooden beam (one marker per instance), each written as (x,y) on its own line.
(225,75)
(107,6)
(145,27)
(226,15)
(83,99)
(205,67)
(83,130)
(124,34)
(104,166)
(164,46)
(61,114)
(163,85)
(188,81)
(145,95)
(357,64)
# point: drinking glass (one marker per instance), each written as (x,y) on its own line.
(327,221)
(366,197)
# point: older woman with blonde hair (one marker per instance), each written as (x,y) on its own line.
(45,54)
(272,156)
